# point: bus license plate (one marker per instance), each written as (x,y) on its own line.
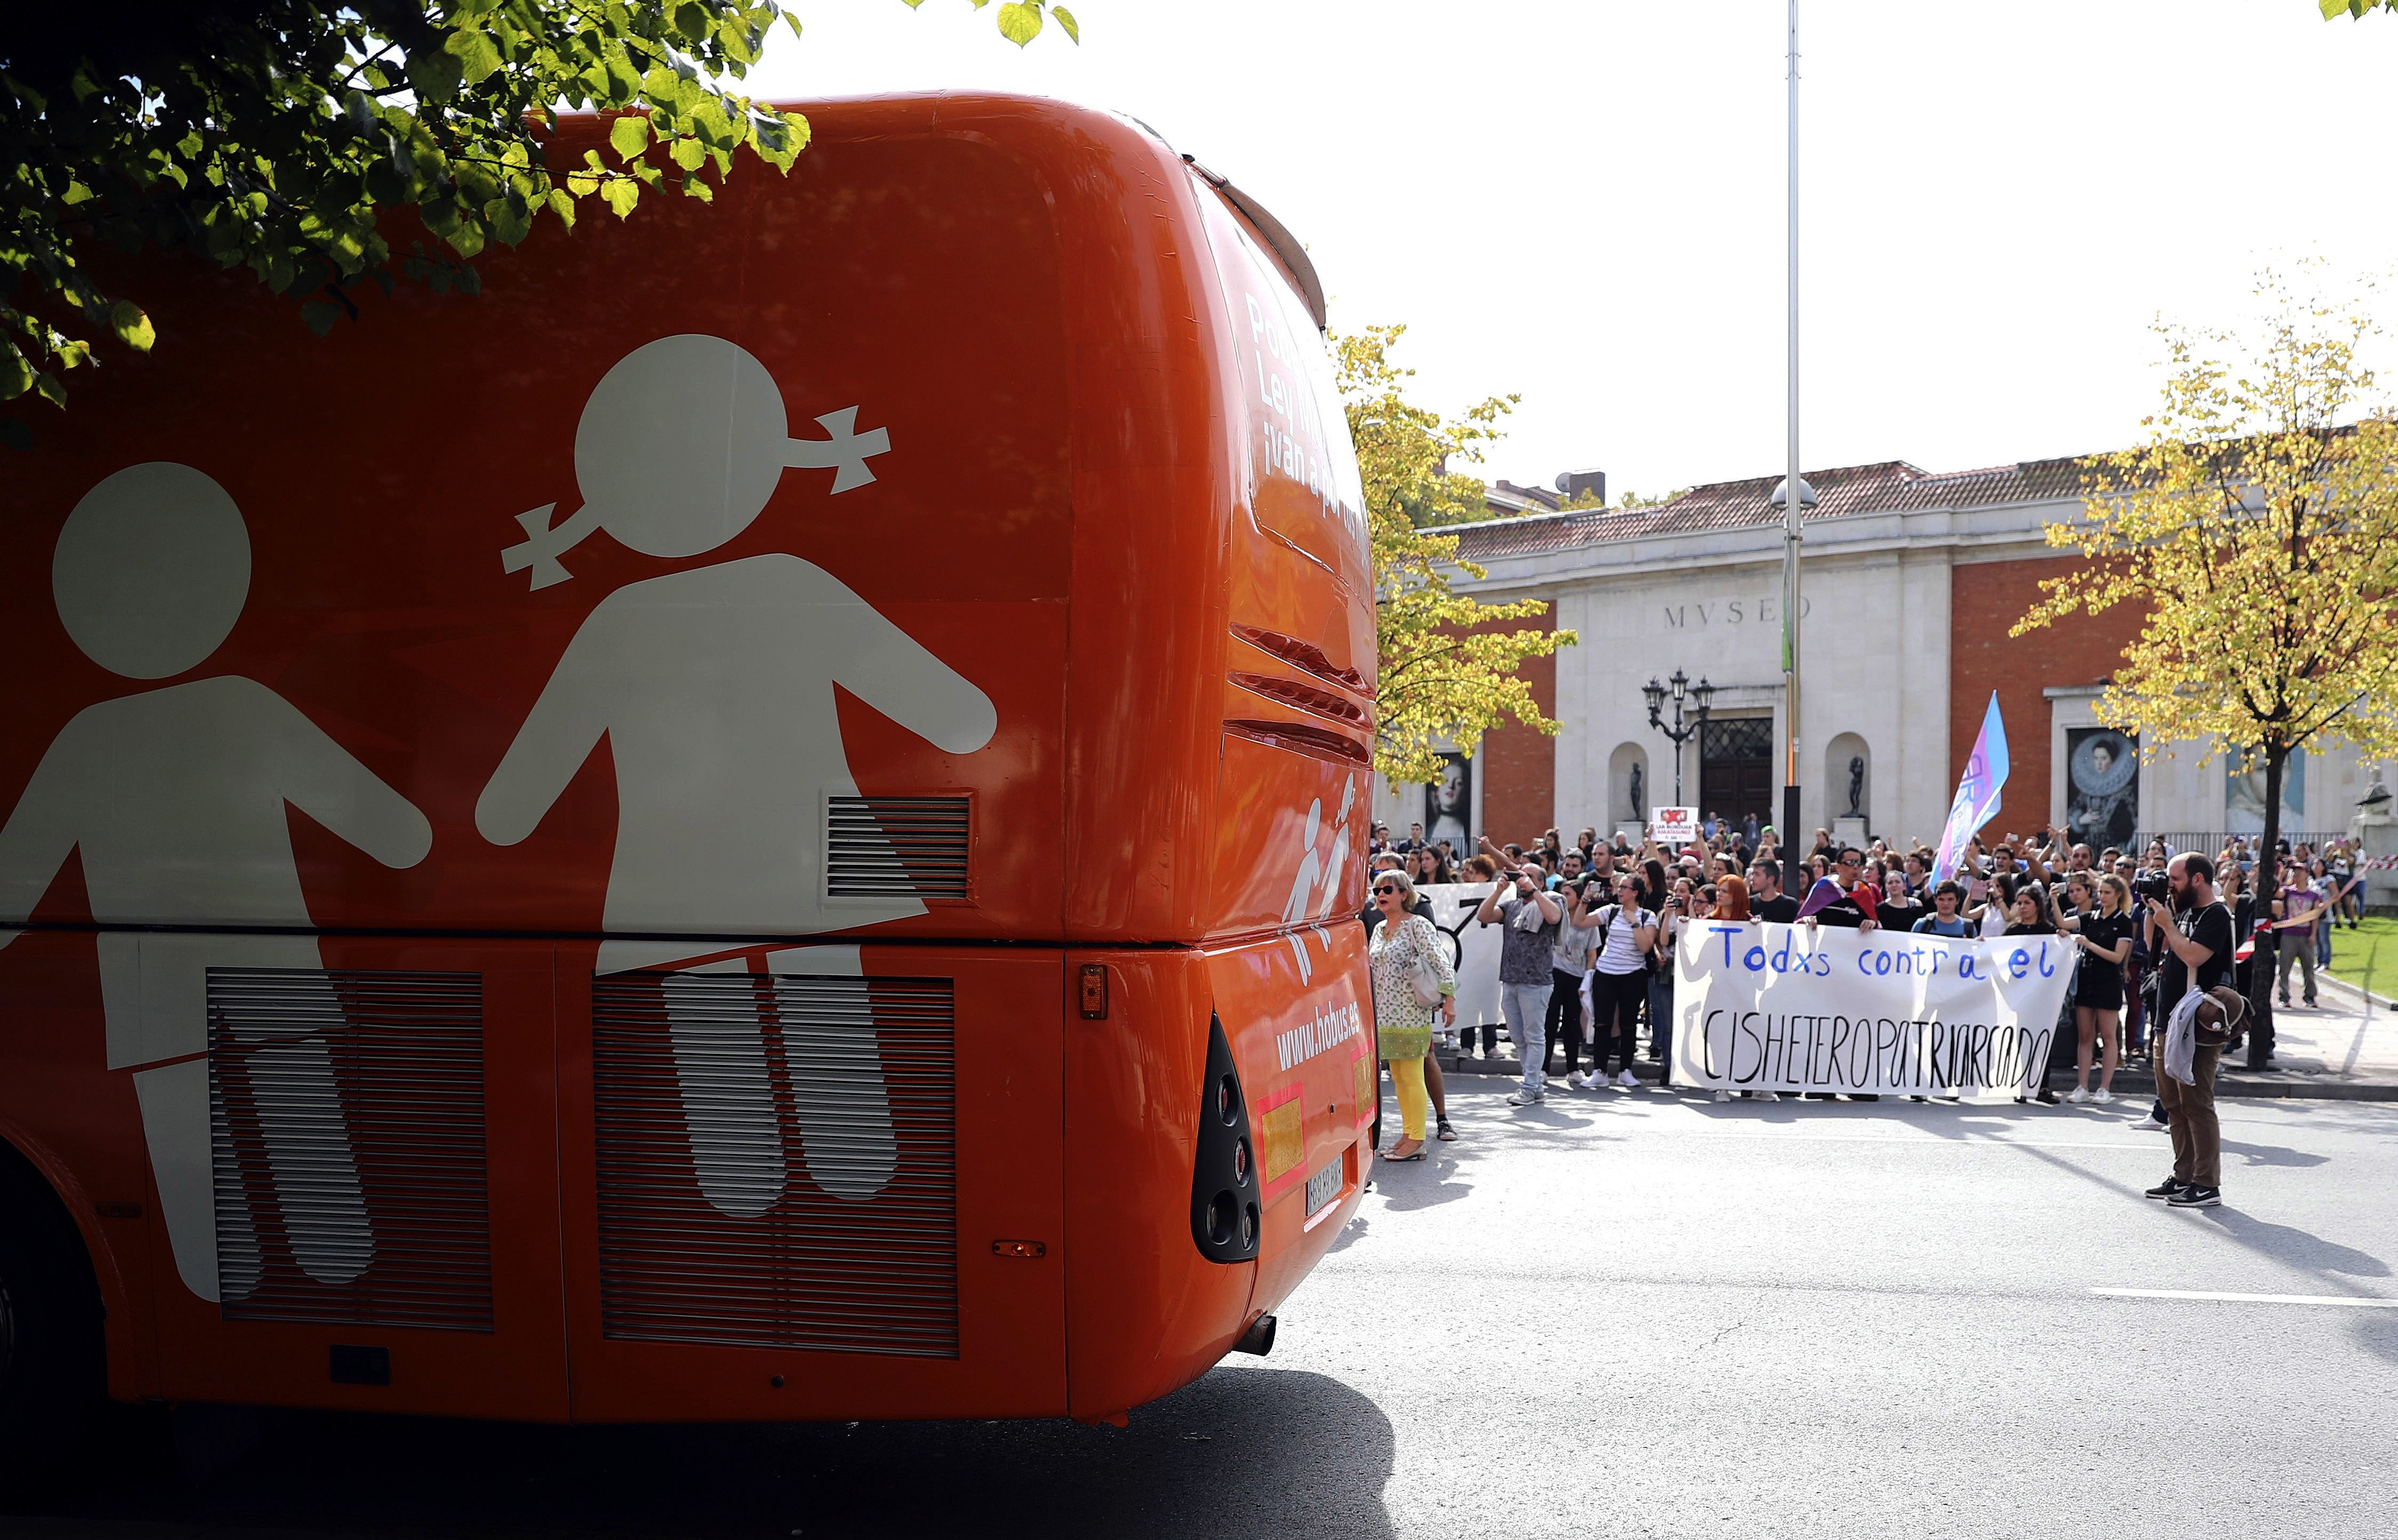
(1324,1187)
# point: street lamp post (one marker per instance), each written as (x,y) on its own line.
(1789,504)
(1700,696)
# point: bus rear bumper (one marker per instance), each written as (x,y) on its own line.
(1146,1312)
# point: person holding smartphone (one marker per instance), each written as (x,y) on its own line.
(2193,938)
(1615,984)
(1563,1025)
(1523,903)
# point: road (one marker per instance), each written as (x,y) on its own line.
(1619,1314)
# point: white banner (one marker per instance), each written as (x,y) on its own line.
(1792,1007)
(1474,948)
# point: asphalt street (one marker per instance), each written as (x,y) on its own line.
(1622,1313)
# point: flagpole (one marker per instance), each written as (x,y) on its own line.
(1790,504)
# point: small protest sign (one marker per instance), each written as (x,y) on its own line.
(1672,827)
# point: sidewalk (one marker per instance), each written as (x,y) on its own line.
(2340,1052)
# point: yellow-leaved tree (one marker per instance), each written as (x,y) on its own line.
(2259,526)
(1446,662)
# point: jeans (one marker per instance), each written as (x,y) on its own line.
(1563,1019)
(1524,1005)
(2323,942)
(1660,1025)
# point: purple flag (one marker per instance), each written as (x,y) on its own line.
(1977,793)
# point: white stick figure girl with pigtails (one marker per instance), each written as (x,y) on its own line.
(714,689)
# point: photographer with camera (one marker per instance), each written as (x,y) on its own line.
(1523,902)
(2191,931)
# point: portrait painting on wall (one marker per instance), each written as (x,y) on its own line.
(2102,772)
(1448,805)
(2243,793)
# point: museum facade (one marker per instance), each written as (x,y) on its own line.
(1911,581)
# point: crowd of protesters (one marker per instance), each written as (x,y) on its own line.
(1592,925)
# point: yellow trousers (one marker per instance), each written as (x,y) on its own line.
(1407,1075)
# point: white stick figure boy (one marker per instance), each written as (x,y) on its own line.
(176,797)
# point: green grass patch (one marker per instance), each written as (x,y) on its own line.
(2368,957)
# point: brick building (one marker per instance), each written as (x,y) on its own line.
(1910,581)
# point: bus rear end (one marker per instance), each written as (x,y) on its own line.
(959,1013)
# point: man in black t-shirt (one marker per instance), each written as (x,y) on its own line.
(2194,940)
(1767,901)
(2195,933)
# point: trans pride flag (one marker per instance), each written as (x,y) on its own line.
(1978,794)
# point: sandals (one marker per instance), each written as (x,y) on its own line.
(1445,1133)
(1416,1156)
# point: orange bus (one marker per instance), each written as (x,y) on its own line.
(761,822)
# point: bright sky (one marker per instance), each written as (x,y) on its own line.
(1581,200)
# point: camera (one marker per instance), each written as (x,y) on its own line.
(2153,885)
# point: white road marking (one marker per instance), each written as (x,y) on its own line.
(2369,1304)
(1926,1141)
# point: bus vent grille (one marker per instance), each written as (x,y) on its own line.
(346,1137)
(777,1160)
(882,847)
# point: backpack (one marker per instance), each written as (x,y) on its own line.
(1607,922)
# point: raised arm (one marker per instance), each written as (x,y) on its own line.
(323,780)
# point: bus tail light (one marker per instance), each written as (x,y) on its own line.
(1223,1185)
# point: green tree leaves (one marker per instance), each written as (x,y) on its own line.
(629,137)
(1447,666)
(1019,20)
(272,135)
(132,327)
(1019,23)
(2258,529)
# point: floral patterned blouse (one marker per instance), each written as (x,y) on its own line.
(1403,1026)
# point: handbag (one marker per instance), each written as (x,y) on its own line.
(1424,978)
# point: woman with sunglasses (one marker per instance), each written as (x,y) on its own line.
(1403,945)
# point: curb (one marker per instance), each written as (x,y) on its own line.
(2287,1085)
(2330,984)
